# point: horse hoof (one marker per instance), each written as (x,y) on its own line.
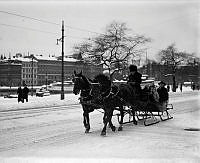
(103,133)
(113,128)
(86,131)
(120,128)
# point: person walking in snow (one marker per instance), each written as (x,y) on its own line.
(181,87)
(25,93)
(20,94)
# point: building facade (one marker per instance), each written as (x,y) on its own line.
(184,73)
(10,73)
(38,70)
(50,69)
(29,71)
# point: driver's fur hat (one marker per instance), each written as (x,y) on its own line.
(162,83)
(132,68)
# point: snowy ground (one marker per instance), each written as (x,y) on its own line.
(47,101)
(47,129)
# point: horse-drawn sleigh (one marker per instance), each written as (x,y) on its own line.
(100,94)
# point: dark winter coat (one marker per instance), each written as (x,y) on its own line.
(25,92)
(20,94)
(163,94)
(136,78)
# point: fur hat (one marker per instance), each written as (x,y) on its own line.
(133,68)
(162,83)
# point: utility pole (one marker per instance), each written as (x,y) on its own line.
(46,80)
(32,76)
(62,62)
(62,73)
(146,63)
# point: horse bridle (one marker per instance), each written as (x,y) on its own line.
(83,90)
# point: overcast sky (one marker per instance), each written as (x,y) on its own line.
(165,22)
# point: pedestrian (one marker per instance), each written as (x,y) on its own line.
(181,87)
(168,88)
(135,79)
(193,86)
(25,93)
(163,93)
(20,94)
(198,87)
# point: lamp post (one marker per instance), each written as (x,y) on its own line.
(62,63)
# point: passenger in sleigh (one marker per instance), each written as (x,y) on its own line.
(154,96)
(163,94)
(150,96)
(158,98)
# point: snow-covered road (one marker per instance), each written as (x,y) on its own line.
(49,133)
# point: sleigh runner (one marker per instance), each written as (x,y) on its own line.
(149,117)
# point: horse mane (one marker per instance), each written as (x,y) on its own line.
(85,79)
(103,80)
(100,78)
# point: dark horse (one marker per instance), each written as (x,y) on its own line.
(87,92)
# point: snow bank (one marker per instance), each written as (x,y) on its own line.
(38,102)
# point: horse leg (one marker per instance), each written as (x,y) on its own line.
(111,124)
(133,113)
(86,119)
(113,128)
(122,118)
(107,119)
(86,122)
(103,132)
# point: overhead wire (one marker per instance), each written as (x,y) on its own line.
(76,28)
(153,26)
(26,28)
(45,21)
(28,17)
(37,30)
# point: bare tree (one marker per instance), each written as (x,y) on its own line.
(171,56)
(113,48)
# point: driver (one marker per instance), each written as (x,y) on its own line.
(135,79)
